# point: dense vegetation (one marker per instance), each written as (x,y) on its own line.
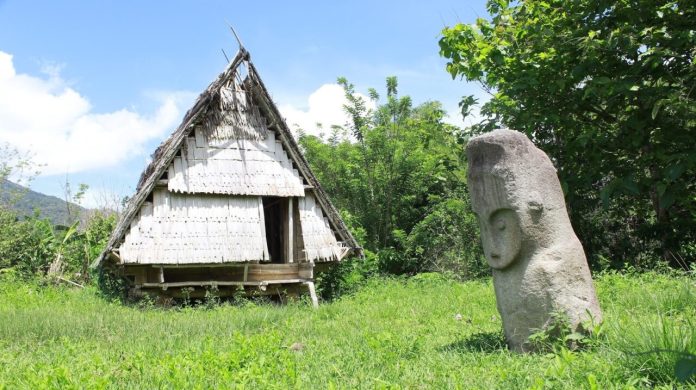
(45,236)
(398,174)
(423,332)
(606,88)
(31,247)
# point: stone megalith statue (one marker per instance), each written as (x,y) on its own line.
(539,266)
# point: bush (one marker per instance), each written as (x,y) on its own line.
(26,246)
(394,261)
(447,240)
(31,245)
(347,276)
(88,243)
(112,286)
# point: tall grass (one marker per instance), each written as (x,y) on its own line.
(655,326)
(423,332)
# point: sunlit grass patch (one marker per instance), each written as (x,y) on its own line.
(419,332)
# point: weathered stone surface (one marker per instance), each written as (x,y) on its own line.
(539,266)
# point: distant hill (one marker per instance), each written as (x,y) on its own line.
(24,201)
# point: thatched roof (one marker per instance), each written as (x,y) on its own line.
(204,110)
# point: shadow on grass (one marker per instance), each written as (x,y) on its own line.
(487,342)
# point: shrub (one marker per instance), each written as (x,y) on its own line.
(31,245)
(88,243)
(447,240)
(347,276)
(27,245)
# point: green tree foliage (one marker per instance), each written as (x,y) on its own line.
(19,167)
(16,165)
(33,246)
(447,240)
(28,247)
(400,165)
(607,89)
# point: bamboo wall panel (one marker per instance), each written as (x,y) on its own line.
(234,166)
(320,243)
(185,229)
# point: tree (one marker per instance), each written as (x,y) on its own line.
(608,90)
(402,159)
(402,169)
(17,166)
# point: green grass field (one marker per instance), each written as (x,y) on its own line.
(392,333)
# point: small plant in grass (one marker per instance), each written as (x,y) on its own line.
(186,294)
(212,297)
(239,297)
(558,334)
(146,301)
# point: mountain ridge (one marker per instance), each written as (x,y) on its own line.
(25,201)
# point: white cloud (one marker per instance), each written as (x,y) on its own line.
(325,106)
(103,198)
(56,123)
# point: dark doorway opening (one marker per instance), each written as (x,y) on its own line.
(275,211)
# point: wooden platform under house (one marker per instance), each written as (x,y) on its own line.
(229,202)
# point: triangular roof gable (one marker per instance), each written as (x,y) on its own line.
(166,152)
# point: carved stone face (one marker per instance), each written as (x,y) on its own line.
(539,265)
(501,236)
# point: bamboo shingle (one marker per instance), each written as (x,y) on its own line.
(320,243)
(243,167)
(196,229)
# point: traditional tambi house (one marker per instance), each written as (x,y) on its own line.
(228,201)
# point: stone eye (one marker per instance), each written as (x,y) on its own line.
(500,224)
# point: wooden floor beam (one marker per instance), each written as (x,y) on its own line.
(165,286)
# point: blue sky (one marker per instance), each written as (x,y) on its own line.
(92,87)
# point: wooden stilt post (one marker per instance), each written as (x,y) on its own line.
(313,294)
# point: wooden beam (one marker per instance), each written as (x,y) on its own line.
(264,236)
(70,282)
(114,256)
(165,286)
(269,266)
(306,271)
(201,265)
